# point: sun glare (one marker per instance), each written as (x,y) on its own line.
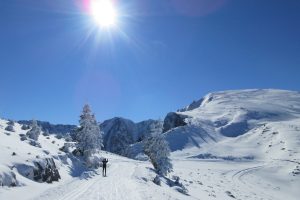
(104,12)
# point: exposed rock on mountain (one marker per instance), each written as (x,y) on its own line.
(173,120)
(41,171)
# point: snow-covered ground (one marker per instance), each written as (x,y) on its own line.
(234,145)
(210,178)
(204,179)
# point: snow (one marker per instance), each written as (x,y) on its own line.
(258,158)
(204,179)
(24,151)
(261,123)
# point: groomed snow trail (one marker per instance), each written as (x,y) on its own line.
(250,180)
(117,185)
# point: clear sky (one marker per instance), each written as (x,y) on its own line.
(161,55)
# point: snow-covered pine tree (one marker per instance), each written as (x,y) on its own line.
(35,131)
(88,135)
(157,149)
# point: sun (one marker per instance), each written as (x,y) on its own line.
(104,13)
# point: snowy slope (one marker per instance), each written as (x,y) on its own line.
(241,123)
(203,179)
(17,155)
(228,145)
(10,142)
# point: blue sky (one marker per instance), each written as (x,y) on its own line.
(162,56)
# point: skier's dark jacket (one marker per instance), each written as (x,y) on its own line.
(104,161)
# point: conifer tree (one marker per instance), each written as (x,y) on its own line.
(88,135)
(157,149)
(35,131)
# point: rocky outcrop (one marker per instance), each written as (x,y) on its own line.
(173,120)
(41,171)
(8,179)
(192,106)
(10,128)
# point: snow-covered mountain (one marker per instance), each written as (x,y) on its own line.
(242,122)
(119,133)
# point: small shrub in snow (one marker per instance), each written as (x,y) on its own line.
(157,149)
(35,131)
(14,154)
(11,123)
(10,128)
(25,127)
(58,136)
(175,182)
(46,133)
(181,189)
(23,138)
(35,143)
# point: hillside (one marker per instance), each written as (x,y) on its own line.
(228,145)
(260,123)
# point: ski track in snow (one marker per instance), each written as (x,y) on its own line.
(255,192)
(246,183)
(117,185)
(236,180)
